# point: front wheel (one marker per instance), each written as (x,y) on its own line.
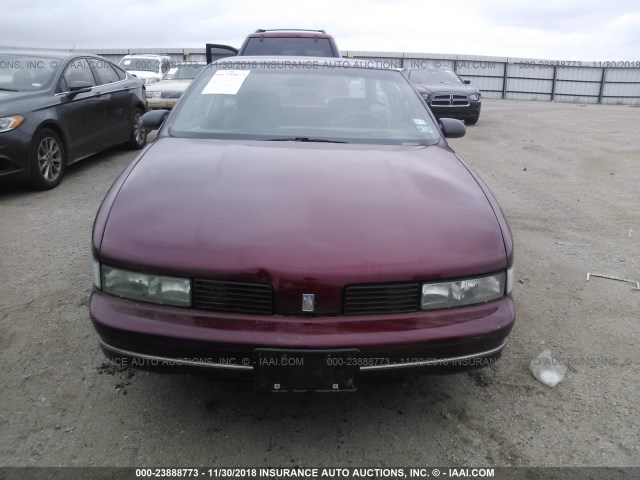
(472,120)
(47,160)
(138,135)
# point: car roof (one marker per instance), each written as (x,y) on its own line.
(430,69)
(290,33)
(48,53)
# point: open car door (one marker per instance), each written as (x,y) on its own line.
(216,52)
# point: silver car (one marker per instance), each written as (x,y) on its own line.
(166,92)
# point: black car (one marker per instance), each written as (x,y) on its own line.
(447,94)
(58,108)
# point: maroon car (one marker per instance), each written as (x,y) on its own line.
(301,222)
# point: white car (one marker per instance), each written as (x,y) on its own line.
(165,93)
(147,67)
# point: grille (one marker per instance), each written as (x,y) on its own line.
(381,298)
(170,94)
(450,100)
(233,297)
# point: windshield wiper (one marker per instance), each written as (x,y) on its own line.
(303,139)
(8,90)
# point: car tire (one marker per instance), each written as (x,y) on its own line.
(137,135)
(48,159)
(472,120)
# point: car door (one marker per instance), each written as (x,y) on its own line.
(116,90)
(83,115)
(215,52)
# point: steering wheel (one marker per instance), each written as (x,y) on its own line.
(360,119)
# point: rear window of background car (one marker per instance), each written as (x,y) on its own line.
(299,46)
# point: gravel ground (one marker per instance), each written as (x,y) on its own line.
(567,177)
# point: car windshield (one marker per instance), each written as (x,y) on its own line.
(433,76)
(140,64)
(184,72)
(290,46)
(303,101)
(26,73)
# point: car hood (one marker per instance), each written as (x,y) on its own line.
(286,212)
(445,88)
(143,74)
(12,103)
(169,86)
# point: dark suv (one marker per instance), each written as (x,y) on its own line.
(306,43)
(290,42)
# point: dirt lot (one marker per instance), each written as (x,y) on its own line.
(568,179)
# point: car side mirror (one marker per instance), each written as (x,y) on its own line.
(467,82)
(79,86)
(452,128)
(154,119)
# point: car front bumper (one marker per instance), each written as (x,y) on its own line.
(170,338)
(460,113)
(15,148)
(161,103)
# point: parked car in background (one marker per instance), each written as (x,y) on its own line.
(300,42)
(317,228)
(148,67)
(166,92)
(308,43)
(447,94)
(58,108)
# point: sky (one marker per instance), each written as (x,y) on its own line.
(592,30)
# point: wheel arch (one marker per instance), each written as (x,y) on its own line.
(51,125)
(139,104)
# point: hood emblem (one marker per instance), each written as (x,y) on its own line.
(308,302)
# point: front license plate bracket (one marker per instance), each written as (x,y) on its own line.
(280,370)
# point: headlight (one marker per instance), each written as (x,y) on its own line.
(426,96)
(153,94)
(474,96)
(10,123)
(463,292)
(150,80)
(146,288)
